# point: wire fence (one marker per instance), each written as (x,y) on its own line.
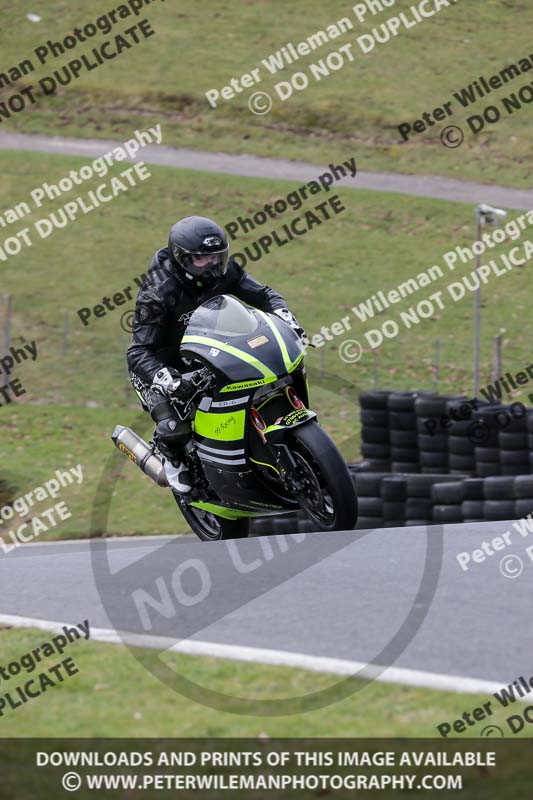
(439,365)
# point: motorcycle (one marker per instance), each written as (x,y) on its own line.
(256,447)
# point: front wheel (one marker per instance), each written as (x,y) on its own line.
(328,496)
(210,527)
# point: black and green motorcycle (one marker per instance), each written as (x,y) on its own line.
(256,448)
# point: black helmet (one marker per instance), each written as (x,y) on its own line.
(200,247)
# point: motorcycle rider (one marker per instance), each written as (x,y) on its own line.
(194,267)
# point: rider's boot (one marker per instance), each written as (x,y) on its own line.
(178,476)
(172,434)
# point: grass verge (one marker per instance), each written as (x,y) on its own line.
(114,696)
(352,112)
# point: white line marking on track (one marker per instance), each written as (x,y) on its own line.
(139,539)
(282,658)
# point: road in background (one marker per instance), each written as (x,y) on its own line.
(254,167)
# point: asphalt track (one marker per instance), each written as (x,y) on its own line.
(253,166)
(330,602)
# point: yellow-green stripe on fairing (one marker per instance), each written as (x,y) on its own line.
(233,351)
(265,464)
(226,513)
(282,346)
(289,365)
(275,428)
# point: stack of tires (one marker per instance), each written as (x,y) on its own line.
(447,499)
(499,493)
(368,487)
(458,501)
(523,492)
(473,500)
(282,524)
(404,453)
(419,503)
(501,436)
(529,423)
(514,447)
(461,448)
(394,496)
(484,436)
(410,432)
(432,435)
(375,430)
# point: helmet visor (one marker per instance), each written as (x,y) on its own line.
(205,265)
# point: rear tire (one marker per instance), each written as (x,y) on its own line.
(330,501)
(211,528)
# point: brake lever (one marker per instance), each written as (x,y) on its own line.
(205,380)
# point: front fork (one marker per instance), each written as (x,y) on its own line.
(287,467)
(286,464)
(273,436)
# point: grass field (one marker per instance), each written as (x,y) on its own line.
(112,696)
(80,705)
(74,399)
(353,112)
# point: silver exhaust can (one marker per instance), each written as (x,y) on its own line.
(138,451)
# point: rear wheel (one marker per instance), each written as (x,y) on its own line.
(210,527)
(328,497)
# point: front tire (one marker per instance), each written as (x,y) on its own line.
(210,527)
(329,499)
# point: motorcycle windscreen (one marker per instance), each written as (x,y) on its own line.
(222,316)
(243,344)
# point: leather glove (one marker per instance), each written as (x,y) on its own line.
(167,381)
(288,317)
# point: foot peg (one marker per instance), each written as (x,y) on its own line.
(178,477)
